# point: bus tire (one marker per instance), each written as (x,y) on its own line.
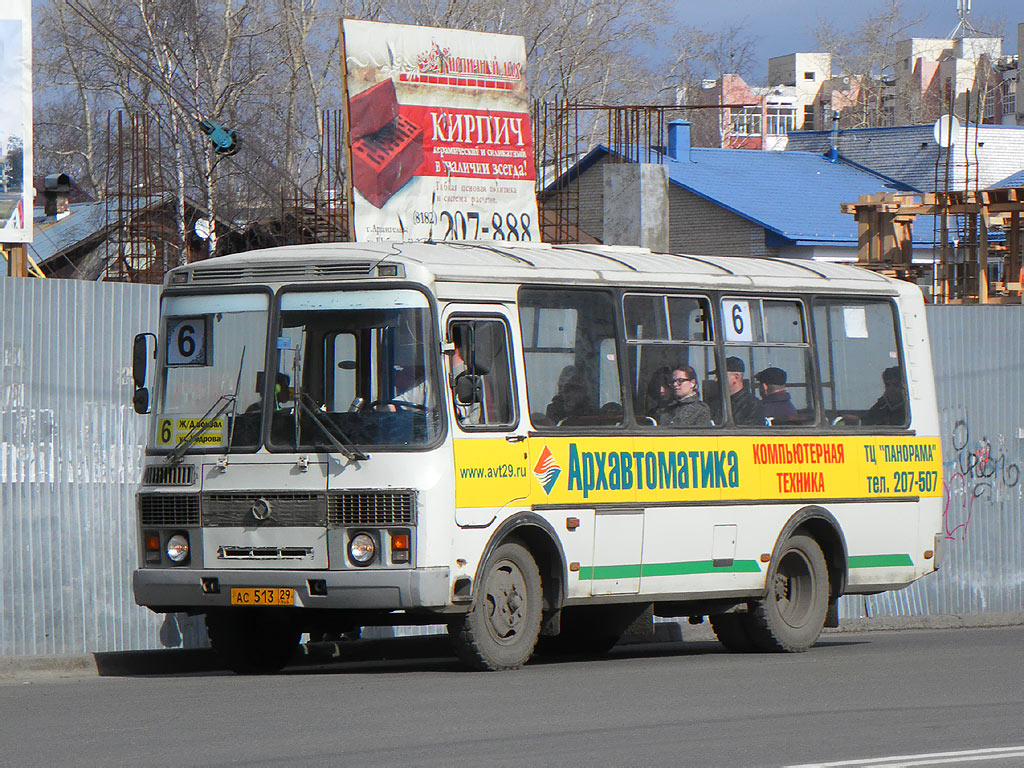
(501,629)
(251,642)
(731,631)
(791,615)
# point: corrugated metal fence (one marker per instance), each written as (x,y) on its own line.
(71,449)
(70,456)
(979,374)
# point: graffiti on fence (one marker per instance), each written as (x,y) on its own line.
(980,472)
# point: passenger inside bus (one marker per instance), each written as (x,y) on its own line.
(466,383)
(685,408)
(891,407)
(570,400)
(776,403)
(659,391)
(746,409)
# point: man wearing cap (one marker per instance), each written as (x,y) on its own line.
(746,409)
(775,400)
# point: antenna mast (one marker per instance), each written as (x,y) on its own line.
(964,27)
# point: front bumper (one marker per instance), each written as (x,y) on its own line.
(167,589)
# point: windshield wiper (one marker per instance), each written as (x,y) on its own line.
(348,449)
(234,408)
(197,431)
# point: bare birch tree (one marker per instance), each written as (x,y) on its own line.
(869,55)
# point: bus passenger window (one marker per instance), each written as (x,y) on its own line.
(481,374)
(671,355)
(768,362)
(862,379)
(572,377)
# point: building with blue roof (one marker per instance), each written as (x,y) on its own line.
(981,155)
(743,203)
(1013,180)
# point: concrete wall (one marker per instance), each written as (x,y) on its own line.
(636,205)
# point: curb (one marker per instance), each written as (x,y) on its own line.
(185,661)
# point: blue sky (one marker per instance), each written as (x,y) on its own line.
(787,26)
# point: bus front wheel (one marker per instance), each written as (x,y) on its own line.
(251,642)
(501,629)
(790,617)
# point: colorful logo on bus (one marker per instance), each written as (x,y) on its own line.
(546,470)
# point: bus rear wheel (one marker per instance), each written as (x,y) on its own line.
(790,617)
(501,629)
(251,642)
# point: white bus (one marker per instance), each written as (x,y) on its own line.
(530,443)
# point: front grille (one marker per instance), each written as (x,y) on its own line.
(371,508)
(173,474)
(169,509)
(235,509)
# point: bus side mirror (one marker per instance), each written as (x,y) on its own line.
(140,362)
(140,400)
(468,389)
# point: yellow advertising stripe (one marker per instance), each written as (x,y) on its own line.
(701,468)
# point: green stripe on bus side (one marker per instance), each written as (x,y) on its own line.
(879,561)
(604,572)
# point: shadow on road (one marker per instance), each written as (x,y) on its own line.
(398,655)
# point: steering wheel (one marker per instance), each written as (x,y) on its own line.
(398,404)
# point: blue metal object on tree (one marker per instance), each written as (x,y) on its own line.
(225,140)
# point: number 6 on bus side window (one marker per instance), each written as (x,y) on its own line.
(736,318)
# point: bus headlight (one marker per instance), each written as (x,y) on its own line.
(177,548)
(362,549)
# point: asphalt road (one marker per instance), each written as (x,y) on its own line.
(854,696)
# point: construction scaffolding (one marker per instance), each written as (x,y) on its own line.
(565,131)
(143,241)
(969,266)
(318,212)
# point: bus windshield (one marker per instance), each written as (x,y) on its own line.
(214,350)
(355,367)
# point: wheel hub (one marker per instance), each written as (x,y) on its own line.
(505,601)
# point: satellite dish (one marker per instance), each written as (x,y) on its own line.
(203,229)
(946,131)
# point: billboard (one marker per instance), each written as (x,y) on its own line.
(16,121)
(439,133)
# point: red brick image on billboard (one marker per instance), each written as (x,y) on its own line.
(372,109)
(384,161)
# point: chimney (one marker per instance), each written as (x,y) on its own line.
(679,140)
(56,188)
(833,149)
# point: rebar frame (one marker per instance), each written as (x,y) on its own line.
(143,240)
(320,215)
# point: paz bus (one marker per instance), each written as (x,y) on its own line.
(534,445)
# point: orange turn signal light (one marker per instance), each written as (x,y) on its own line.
(152,542)
(399,541)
